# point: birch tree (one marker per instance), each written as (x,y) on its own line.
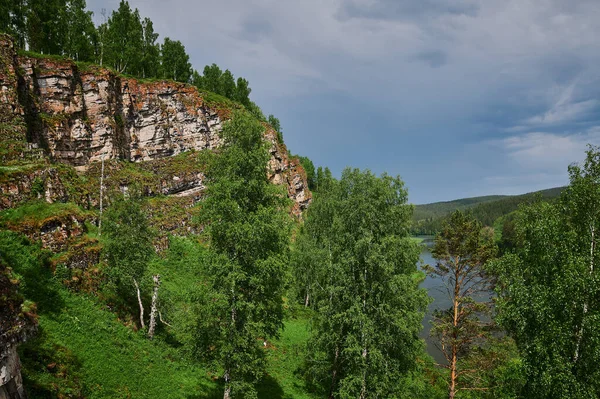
(368,305)
(549,291)
(249,230)
(128,248)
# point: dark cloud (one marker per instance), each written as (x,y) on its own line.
(255,27)
(417,88)
(434,59)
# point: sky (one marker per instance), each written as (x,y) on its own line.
(460,98)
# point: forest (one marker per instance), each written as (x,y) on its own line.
(113,288)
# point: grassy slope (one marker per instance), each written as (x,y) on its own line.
(83,350)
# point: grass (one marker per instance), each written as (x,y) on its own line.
(82,349)
(285,358)
(38,211)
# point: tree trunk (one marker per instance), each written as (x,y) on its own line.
(363,389)
(306,299)
(227,393)
(334,372)
(139,296)
(153,309)
(454,359)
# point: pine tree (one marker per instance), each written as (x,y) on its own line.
(461,250)
(150,51)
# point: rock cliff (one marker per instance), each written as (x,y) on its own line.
(16,323)
(78,114)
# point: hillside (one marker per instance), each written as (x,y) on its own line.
(428,218)
(64,128)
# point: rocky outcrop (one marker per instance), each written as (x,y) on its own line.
(80,114)
(86,114)
(16,324)
(23,184)
(288,172)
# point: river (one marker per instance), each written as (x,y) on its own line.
(435,289)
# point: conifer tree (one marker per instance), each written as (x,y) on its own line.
(461,250)
(150,51)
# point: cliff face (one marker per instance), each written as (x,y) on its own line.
(15,325)
(80,114)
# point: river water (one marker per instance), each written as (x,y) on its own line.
(435,289)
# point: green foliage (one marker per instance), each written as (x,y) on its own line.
(249,233)
(227,84)
(428,218)
(548,289)
(309,168)
(183,292)
(275,124)
(150,51)
(122,41)
(323,179)
(175,61)
(82,350)
(35,213)
(364,287)
(461,250)
(46,25)
(13,20)
(243,92)
(127,245)
(81,34)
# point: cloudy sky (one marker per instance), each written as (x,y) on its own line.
(459,97)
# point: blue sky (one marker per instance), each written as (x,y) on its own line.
(459,97)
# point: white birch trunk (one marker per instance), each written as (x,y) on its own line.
(139,296)
(153,308)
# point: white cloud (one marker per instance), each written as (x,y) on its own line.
(548,152)
(565,109)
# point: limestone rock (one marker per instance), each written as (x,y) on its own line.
(79,115)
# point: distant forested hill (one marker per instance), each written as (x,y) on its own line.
(428,218)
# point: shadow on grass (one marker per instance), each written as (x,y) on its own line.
(214,392)
(49,370)
(31,263)
(269,388)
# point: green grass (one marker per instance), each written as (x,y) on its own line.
(418,240)
(285,358)
(38,211)
(83,350)
(109,360)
